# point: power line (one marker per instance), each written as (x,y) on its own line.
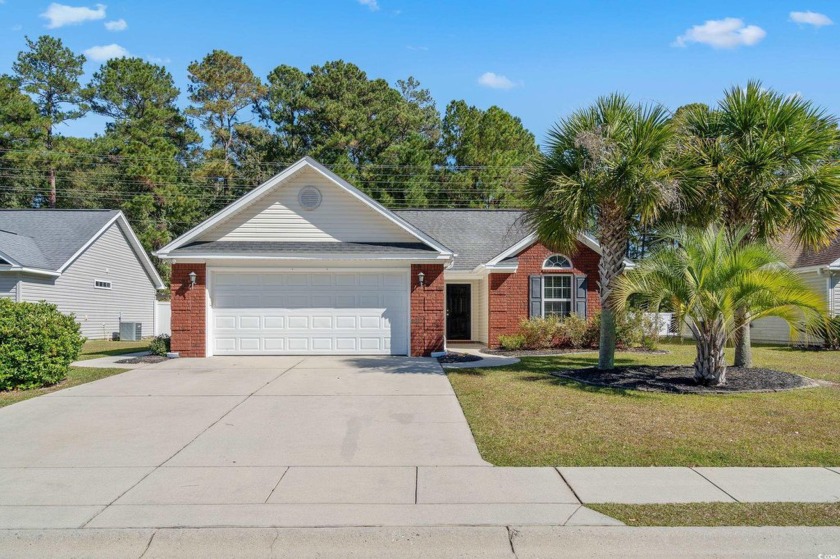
(275,164)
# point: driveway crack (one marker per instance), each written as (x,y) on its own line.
(148,545)
(512,533)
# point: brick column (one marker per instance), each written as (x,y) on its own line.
(189,310)
(427,310)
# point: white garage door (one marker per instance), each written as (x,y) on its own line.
(310,313)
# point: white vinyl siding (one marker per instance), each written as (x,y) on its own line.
(834,293)
(8,285)
(776,330)
(111,258)
(317,312)
(277,216)
(480,311)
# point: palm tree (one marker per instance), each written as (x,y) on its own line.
(606,168)
(770,167)
(707,275)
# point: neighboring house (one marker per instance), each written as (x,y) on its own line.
(86,262)
(308,264)
(821,271)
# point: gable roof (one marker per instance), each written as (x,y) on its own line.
(277,180)
(46,241)
(476,236)
(483,238)
(797,256)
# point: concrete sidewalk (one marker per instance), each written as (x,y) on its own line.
(304,496)
(502,542)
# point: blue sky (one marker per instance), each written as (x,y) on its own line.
(538,60)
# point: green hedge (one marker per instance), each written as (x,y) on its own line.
(37,344)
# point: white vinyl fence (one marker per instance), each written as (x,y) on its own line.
(163,318)
(665,323)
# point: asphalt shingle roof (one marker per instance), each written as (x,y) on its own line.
(797,256)
(297,248)
(475,236)
(46,239)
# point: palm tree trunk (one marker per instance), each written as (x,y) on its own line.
(614,232)
(743,349)
(710,364)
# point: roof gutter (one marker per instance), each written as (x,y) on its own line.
(33,271)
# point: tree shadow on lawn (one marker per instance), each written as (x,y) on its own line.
(540,369)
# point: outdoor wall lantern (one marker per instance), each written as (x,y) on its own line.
(193,277)
(421,279)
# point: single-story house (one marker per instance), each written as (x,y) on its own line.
(86,262)
(307,264)
(821,271)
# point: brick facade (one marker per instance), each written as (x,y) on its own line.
(189,310)
(508,293)
(427,310)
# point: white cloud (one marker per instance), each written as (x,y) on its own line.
(495,81)
(724,33)
(116,25)
(811,18)
(106,52)
(59,15)
(372,4)
(158,60)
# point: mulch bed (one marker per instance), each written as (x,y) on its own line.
(144,359)
(454,357)
(563,351)
(680,380)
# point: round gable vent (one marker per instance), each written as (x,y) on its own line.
(309,197)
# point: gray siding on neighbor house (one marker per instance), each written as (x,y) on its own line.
(111,258)
(776,330)
(8,285)
(835,293)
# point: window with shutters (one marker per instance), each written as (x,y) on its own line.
(557,295)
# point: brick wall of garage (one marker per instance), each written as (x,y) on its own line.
(508,293)
(189,310)
(427,310)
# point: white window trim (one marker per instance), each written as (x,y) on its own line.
(545,265)
(96,281)
(571,298)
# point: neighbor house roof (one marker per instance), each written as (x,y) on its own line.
(797,256)
(475,236)
(298,249)
(46,241)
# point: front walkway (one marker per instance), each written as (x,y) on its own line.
(309,442)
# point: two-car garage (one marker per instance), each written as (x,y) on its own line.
(308,311)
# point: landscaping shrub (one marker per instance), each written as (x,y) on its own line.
(37,344)
(539,333)
(633,329)
(830,333)
(160,345)
(512,343)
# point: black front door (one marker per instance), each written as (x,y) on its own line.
(458,299)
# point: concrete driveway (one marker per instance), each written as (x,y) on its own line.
(261,441)
(247,411)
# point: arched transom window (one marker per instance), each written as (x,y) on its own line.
(557,262)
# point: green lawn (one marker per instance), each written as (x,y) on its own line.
(522,416)
(725,514)
(76,376)
(102,348)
